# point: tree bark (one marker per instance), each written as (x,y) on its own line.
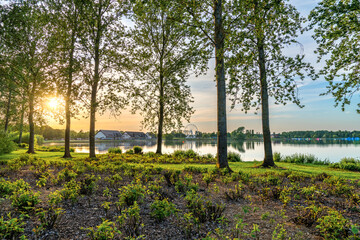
(68,98)
(268,159)
(222,161)
(94,88)
(7,116)
(161,115)
(21,121)
(31,149)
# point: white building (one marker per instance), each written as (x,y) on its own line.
(108,135)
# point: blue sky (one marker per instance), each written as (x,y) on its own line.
(319,112)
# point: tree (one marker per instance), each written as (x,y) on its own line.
(102,41)
(257,65)
(337,31)
(238,134)
(29,44)
(66,21)
(162,57)
(208,20)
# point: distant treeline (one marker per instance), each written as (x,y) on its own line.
(319,134)
(49,133)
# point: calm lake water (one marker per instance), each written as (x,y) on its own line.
(332,150)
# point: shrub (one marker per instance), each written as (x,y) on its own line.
(234,157)
(188,153)
(88,184)
(203,209)
(11,228)
(6,145)
(71,191)
(130,194)
(49,218)
(24,200)
(130,221)
(304,158)
(39,139)
(114,150)
(277,157)
(333,225)
(162,209)
(106,230)
(137,150)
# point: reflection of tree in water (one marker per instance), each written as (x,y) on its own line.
(250,145)
(320,142)
(238,145)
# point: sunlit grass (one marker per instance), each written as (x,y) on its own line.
(247,167)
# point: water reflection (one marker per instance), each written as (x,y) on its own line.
(332,150)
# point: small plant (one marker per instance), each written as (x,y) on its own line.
(71,191)
(277,157)
(49,218)
(114,180)
(333,225)
(24,200)
(11,228)
(162,209)
(130,194)
(203,209)
(208,178)
(279,233)
(237,194)
(130,221)
(106,207)
(238,232)
(137,150)
(88,184)
(66,175)
(115,150)
(106,230)
(234,157)
(190,224)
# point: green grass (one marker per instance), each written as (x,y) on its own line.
(247,167)
(45,155)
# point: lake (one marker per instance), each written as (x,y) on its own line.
(333,150)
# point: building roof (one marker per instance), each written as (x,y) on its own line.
(136,134)
(111,133)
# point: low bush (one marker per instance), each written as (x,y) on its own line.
(234,157)
(350,164)
(162,209)
(11,228)
(187,154)
(137,150)
(333,225)
(106,230)
(303,159)
(114,150)
(6,145)
(24,200)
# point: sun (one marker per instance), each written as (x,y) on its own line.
(53,103)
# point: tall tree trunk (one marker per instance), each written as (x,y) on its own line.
(21,121)
(94,88)
(31,121)
(268,159)
(222,161)
(68,98)
(161,115)
(7,115)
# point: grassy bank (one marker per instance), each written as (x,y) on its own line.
(148,196)
(247,167)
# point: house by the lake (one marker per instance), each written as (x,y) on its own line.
(108,135)
(134,135)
